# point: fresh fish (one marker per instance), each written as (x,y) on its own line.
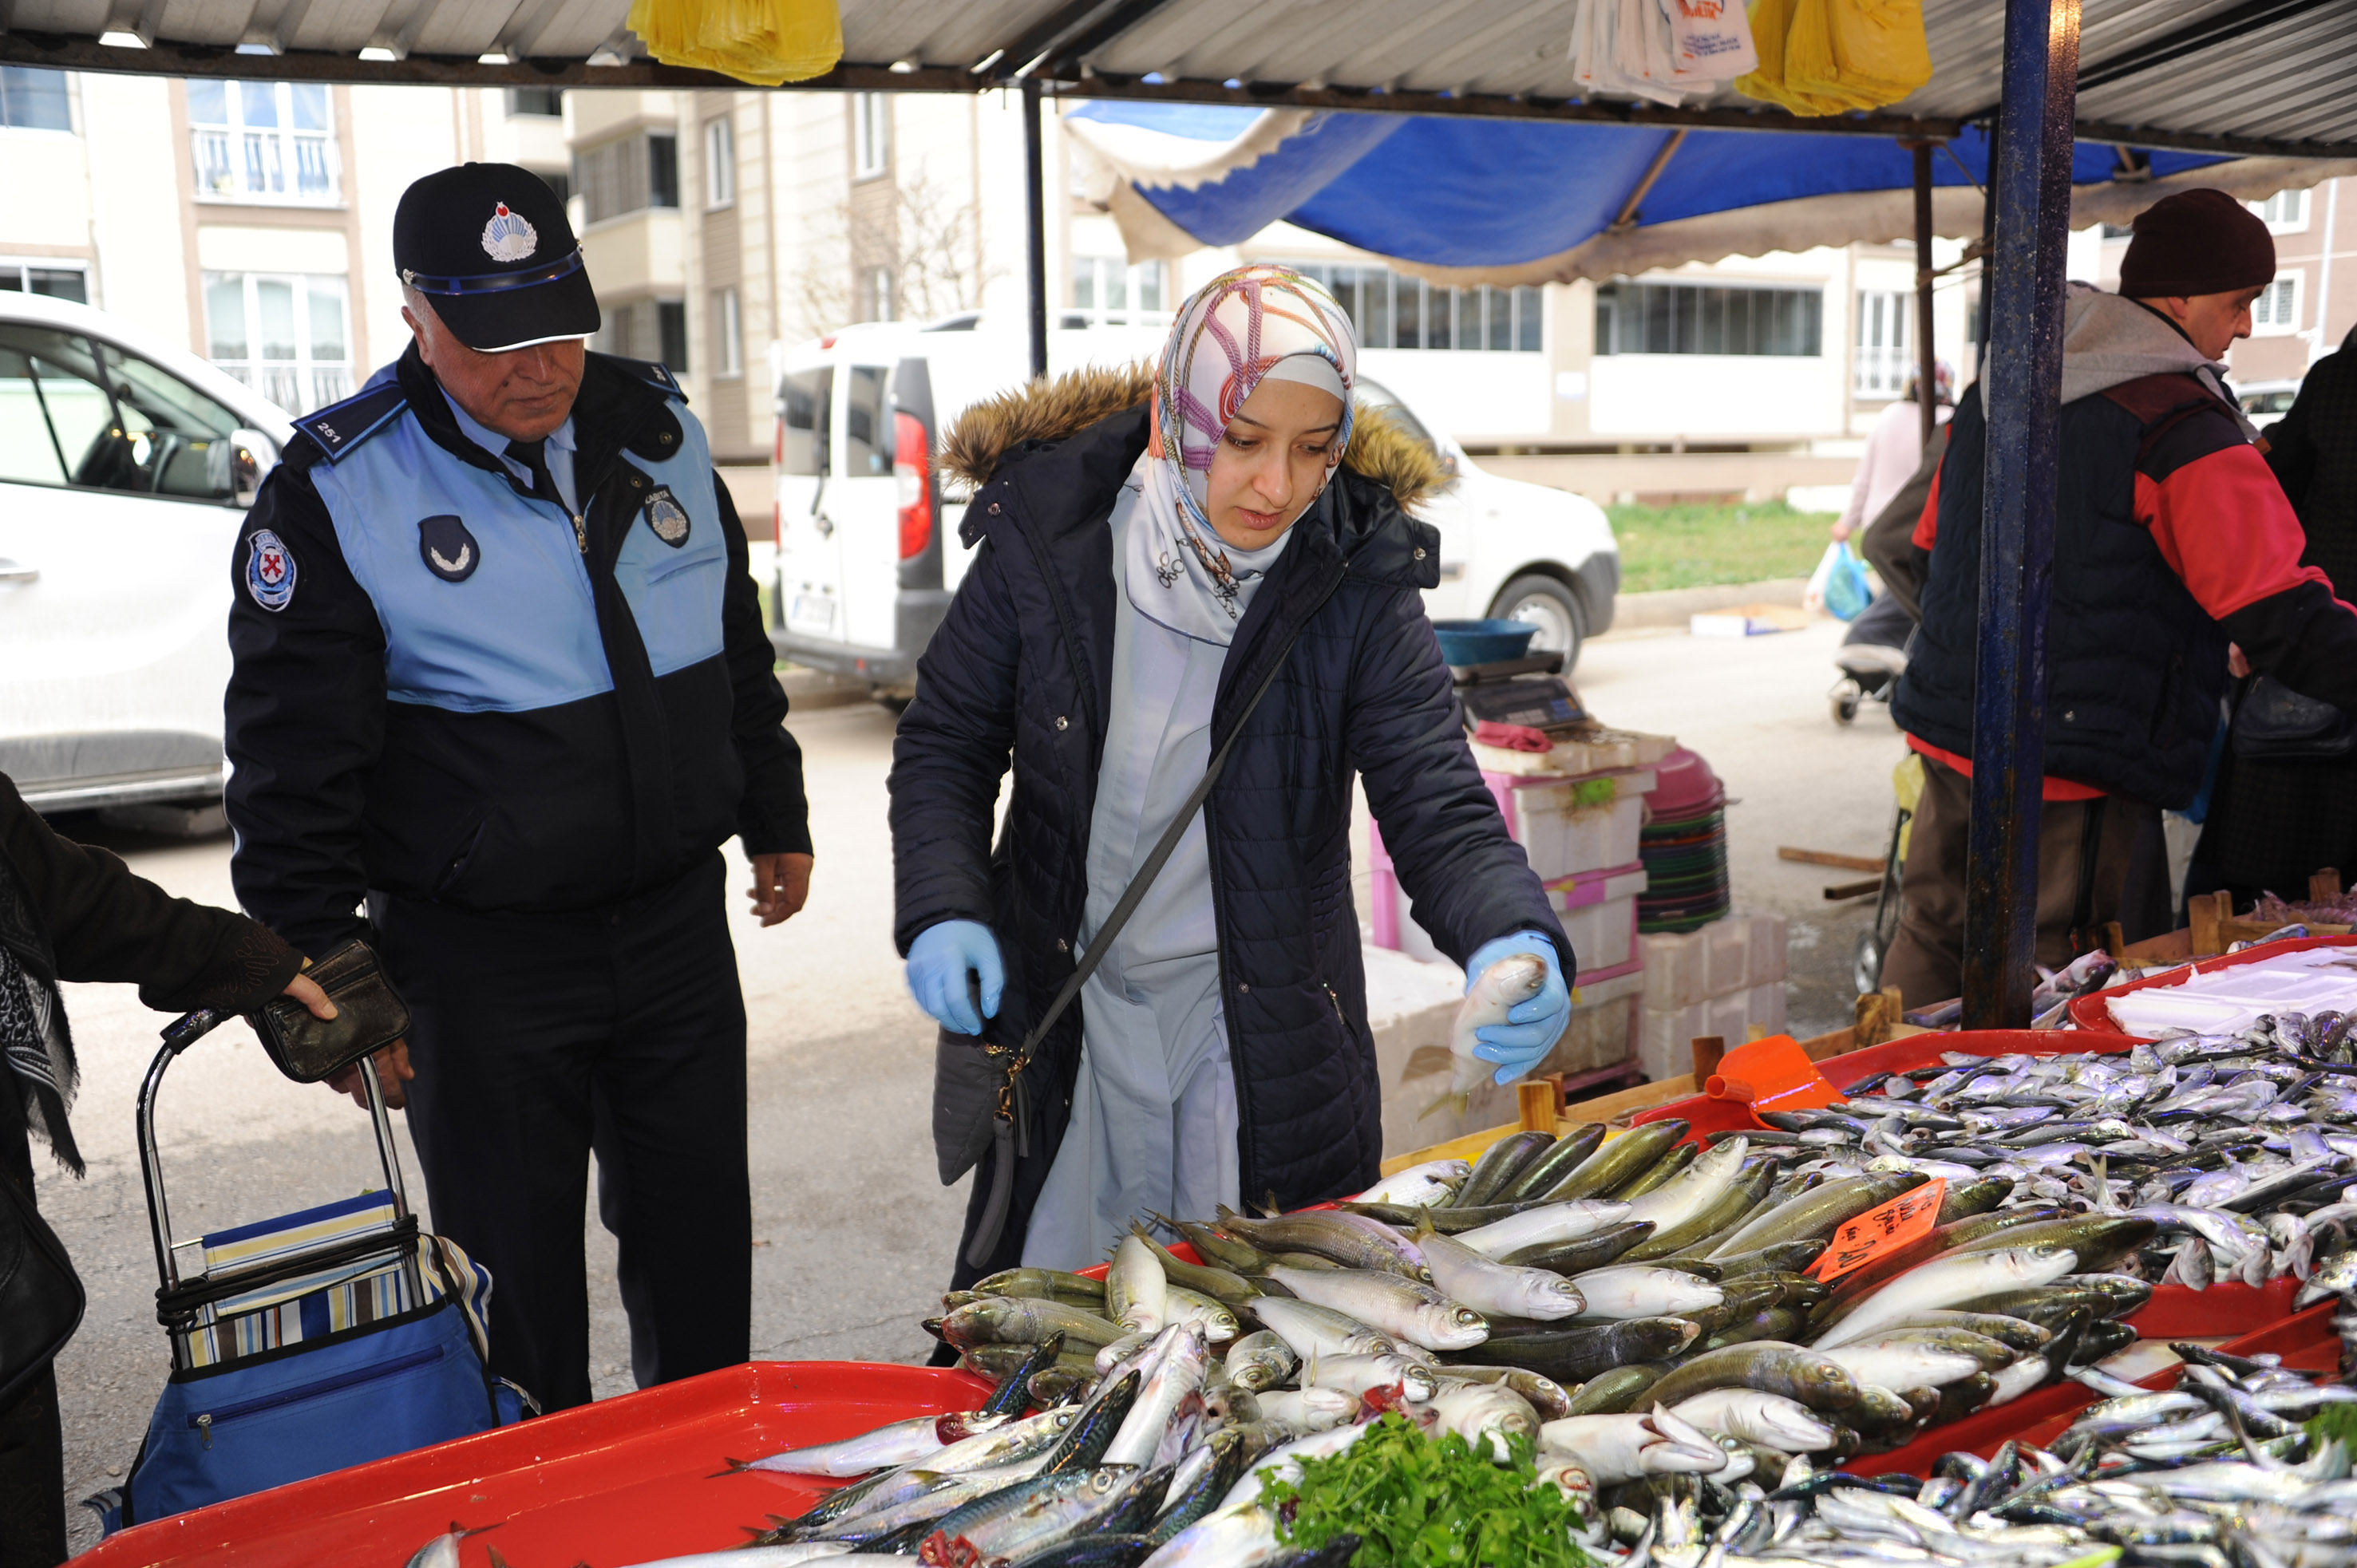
(1282,1463)
(1309,1330)
(1482,1413)
(1949,1282)
(1179,1372)
(899,1443)
(1770,1419)
(1214,1319)
(790,1555)
(1134,1287)
(1018,1520)
(1236,1535)
(1551,1223)
(1489,1000)
(1489,1286)
(1685,1195)
(1352,1240)
(1313,1408)
(1637,1290)
(1357,1375)
(1261,1360)
(1390,1303)
(1452,1172)
(1026,1320)
(442,1551)
(1616,1448)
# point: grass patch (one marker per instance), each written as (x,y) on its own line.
(1694,546)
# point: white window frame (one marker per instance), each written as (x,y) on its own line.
(719,162)
(1880,369)
(876,288)
(1091,278)
(20,265)
(871,134)
(305,382)
(235,163)
(2272,325)
(2295,222)
(728,327)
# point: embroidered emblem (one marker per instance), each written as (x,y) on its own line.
(269,571)
(507,237)
(448,550)
(667,517)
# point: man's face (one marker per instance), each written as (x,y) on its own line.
(523,393)
(2213,321)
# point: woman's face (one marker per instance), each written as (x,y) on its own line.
(1271,461)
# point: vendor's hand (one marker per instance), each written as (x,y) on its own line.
(2236,664)
(781,886)
(939,962)
(1534,1026)
(393,1070)
(1840,531)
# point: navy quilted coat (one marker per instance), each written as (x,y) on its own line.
(1022,665)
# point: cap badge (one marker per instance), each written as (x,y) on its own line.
(507,237)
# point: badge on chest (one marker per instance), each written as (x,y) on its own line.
(667,517)
(448,550)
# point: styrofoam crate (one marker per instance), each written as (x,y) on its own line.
(1673,969)
(1603,1027)
(1727,955)
(1768,948)
(1602,936)
(1665,1038)
(1763,1007)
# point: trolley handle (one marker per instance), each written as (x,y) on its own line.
(179,1035)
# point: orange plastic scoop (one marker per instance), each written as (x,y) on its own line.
(1773,1074)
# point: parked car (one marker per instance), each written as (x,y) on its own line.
(2263,403)
(126,466)
(867,556)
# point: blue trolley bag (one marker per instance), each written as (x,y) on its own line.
(321,1339)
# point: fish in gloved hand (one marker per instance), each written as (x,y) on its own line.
(1515,1007)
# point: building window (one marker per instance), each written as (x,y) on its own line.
(871,135)
(1392,311)
(1885,357)
(546,102)
(727,331)
(876,294)
(559,182)
(263,141)
(2276,310)
(282,334)
(645,330)
(719,161)
(2285,212)
(34,100)
(628,176)
(1108,292)
(68,281)
(1700,318)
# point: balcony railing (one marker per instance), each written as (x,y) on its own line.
(298,389)
(266,165)
(1882,369)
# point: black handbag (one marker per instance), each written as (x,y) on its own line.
(41,1298)
(369,1016)
(2275,724)
(980,1094)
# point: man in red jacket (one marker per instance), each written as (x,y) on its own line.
(2171,537)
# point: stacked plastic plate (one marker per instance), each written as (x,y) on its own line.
(1684,847)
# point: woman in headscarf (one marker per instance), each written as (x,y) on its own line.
(1148,548)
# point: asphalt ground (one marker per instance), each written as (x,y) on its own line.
(853,1230)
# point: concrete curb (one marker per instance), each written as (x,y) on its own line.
(1672,606)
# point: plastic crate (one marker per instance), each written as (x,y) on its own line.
(628,1480)
(1598,910)
(2091,1012)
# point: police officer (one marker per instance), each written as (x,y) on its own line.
(502,676)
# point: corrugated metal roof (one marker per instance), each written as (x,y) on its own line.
(2189,72)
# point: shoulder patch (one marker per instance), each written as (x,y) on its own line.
(648,371)
(340,426)
(269,571)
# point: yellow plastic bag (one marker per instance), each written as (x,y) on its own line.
(1830,57)
(760,41)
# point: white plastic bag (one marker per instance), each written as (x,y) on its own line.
(1659,49)
(1711,39)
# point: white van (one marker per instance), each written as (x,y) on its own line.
(867,554)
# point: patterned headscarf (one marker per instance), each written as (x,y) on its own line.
(1243,327)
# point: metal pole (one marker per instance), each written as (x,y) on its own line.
(1035,197)
(2031,184)
(1927,359)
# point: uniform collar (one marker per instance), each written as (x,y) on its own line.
(491,441)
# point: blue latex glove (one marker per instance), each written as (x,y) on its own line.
(939,962)
(1536,1024)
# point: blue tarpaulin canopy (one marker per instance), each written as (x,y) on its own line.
(1507,201)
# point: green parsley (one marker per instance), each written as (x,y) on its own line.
(2335,1421)
(1420,1502)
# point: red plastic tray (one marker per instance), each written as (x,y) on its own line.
(2087,1012)
(1708,1115)
(626,1480)
(2305,1340)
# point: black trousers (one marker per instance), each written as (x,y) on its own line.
(537,1038)
(32,1441)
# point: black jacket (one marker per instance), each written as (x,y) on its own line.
(338,791)
(1023,665)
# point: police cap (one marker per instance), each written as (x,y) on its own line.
(489,245)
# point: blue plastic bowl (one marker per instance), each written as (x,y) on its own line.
(1483,641)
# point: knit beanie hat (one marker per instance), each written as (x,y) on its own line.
(2196,241)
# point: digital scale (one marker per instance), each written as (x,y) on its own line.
(1529,692)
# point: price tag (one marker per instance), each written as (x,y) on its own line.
(1881,1230)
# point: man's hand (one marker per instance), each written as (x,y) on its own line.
(781,886)
(2238,666)
(393,1070)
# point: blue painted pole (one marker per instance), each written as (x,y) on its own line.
(2031,184)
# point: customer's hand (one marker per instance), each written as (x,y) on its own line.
(781,886)
(1533,1025)
(2237,665)
(393,1070)
(939,962)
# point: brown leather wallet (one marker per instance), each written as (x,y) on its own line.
(369,1016)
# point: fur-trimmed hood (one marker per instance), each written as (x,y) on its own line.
(1050,411)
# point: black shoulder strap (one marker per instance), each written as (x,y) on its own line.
(1009,1119)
